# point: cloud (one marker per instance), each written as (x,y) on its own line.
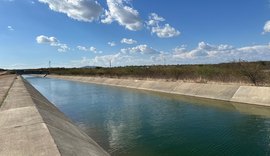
(85,61)
(10,28)
(166,31)
(117,59)
(202,53)
(81,10)
(82,48)
(91,49)
(122,59)
(203,50)
(163,31)
(266,28)
(128,41)
(119,11)
(143,49)
(126,16)
(154,19)
(112,44)
(162,58)
(255,52)
(52,41)
(62,47)
(208,53)
(46,40)
(82,62)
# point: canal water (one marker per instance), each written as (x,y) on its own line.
(128,122)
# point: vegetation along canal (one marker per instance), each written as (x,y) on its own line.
(128,122)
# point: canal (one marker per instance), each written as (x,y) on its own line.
(128,122)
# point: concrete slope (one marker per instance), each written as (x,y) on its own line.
(5,84)
(31,125)
(210,91)
(253,95)
(225,92)
(22,130)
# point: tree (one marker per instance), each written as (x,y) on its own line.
(253,71)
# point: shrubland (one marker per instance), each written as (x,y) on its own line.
(255,73)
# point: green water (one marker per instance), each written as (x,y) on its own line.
(128,122)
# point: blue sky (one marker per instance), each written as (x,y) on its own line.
(75,33)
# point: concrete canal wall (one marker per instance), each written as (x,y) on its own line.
(31,125)
(234,93)
(5,83)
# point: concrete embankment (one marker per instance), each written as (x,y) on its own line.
(31,125)
(5,84)
(225,92)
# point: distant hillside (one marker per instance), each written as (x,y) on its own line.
(89,67)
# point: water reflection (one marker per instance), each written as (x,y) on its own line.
(263,111)
(132,122)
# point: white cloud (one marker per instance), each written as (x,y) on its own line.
(82,62)
(203,53)
(112,44)
(82,48)
(10,28)
(126,16)
(117,59)
(165,31)
(128,41)
(203,50)
(123,59)
(46,40)
(143,49)
(107,18)
(207,53)
(91,49)
(52,41)
(62,47)
(258,51)
(120,59)
(266,28)
(81,10)
(85,61)
(154,19)
(162,58)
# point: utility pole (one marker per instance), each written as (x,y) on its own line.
(110,63)
(164,61)
(49,64)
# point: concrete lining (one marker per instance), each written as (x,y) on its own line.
(130,83)
(160,86)
(225,92)
(210,91)
(31,125)
(255,95)
(5,83)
